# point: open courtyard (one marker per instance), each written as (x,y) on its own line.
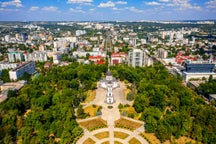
(112,133)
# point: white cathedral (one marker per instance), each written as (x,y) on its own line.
(109,83)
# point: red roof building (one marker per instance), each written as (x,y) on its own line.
(180,58)
(97,59)
(118,58)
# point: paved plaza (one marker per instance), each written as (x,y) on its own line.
(111,115)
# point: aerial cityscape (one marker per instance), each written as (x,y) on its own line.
(106,10)
(107,72)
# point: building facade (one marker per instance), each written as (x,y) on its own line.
(109,83)
(198,70)
(118,58)
(8,65)
(36,56)
(162,53)
(57,58)
(138,57)
(199,67)
(18,72)
(15,56)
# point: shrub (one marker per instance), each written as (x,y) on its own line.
(130,96)
(120,106)
(99,108)
(131,115)
(110,107)
(127,105)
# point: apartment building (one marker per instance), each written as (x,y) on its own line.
(162,53)
(19,71)
(8,65)
(36,56)
(138,57)
(15,56)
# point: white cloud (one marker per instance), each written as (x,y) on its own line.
(133,9)
(8,10)
(50,8)
(33,8)
(111,4)
(180,4)
(79,1)
(76,10)
(116,9)
(16,3)
(164,0)
(185,4)
(121,2)
(211,4)
(107,4)
(153,3)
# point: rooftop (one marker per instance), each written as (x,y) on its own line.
(21,66)
(109,73)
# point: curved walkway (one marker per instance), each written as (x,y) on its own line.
(111,115)
(134,134)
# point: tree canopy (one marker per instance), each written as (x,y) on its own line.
(44,110)
(168,107)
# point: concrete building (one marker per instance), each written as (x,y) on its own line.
(60,44)
(36,56)
(97,59)
(57,58)
(19,71)
(212,97)
(13,85)
(24,36)
(15,56)
(133,42)
(143,41)
(7,38)
(198,70)
(10,86)
(8,65)
(138,57)
(162,53)
(118,58)
(80,32)
(91,53)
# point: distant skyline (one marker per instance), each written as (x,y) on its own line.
(107,10)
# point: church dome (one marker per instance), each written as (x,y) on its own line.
(108,73)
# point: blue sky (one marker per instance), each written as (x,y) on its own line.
(126,10)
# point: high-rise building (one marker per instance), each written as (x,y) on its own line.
(15,56)
(138,57)
(36,56)
(7,38)
(24,36)
(162,53)
(133,41)
(57,58)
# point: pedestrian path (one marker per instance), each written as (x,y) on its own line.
(111,115)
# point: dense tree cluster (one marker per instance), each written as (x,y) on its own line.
(208,88)
(43,111)
(169,108)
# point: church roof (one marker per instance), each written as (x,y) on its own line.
(108,73)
